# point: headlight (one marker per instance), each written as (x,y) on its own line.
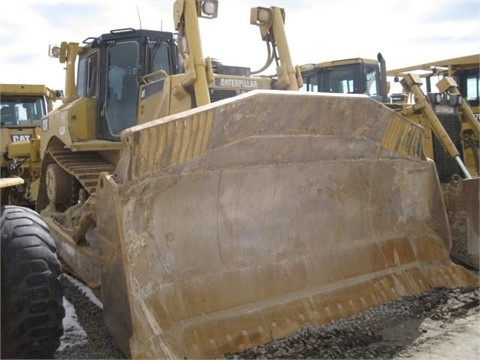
(54,51)
(263,15)
(209,8)
(260,16)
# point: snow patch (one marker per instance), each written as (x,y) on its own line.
(73,333)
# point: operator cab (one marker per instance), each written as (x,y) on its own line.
(351,76)
(112,67)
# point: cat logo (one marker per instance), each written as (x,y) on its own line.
(237,83)
(21,137)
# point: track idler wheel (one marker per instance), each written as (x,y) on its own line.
(59,187)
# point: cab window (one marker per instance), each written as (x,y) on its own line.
(87,76)
(159,54)
(122,86)
(22,111)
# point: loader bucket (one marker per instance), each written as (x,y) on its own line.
(462,198)
(239,222)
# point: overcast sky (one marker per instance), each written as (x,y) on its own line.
(406,32)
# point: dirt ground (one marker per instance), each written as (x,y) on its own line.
(458,339)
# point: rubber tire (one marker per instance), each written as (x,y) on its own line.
(32,294)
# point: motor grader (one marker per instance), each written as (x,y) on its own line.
(208,227)
(451,126)
(21,108)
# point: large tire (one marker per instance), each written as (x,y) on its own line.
(32,294)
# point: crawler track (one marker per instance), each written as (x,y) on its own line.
(84,166)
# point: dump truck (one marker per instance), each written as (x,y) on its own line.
(451,126)
(22,107)
(32,294)
(212,215)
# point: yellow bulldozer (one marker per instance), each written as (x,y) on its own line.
(465,70)
(455,103)
(449,117)
(22,107)
(212,210)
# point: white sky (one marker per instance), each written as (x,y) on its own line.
(406,32)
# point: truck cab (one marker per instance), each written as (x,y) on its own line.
(349,76)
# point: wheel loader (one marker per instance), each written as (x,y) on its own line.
(214,209)
(451,126)
(21,108)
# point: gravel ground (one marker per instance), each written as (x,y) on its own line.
(439,324)
(97,344)
(387,332)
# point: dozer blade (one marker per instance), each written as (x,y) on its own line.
(241,221)
(462,197)
(471,197)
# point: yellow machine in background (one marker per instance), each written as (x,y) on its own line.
(465,70)
(366,76)
(22,107)
(208,227)
(454,99)
(346,76)
(32,294)
(451,126)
